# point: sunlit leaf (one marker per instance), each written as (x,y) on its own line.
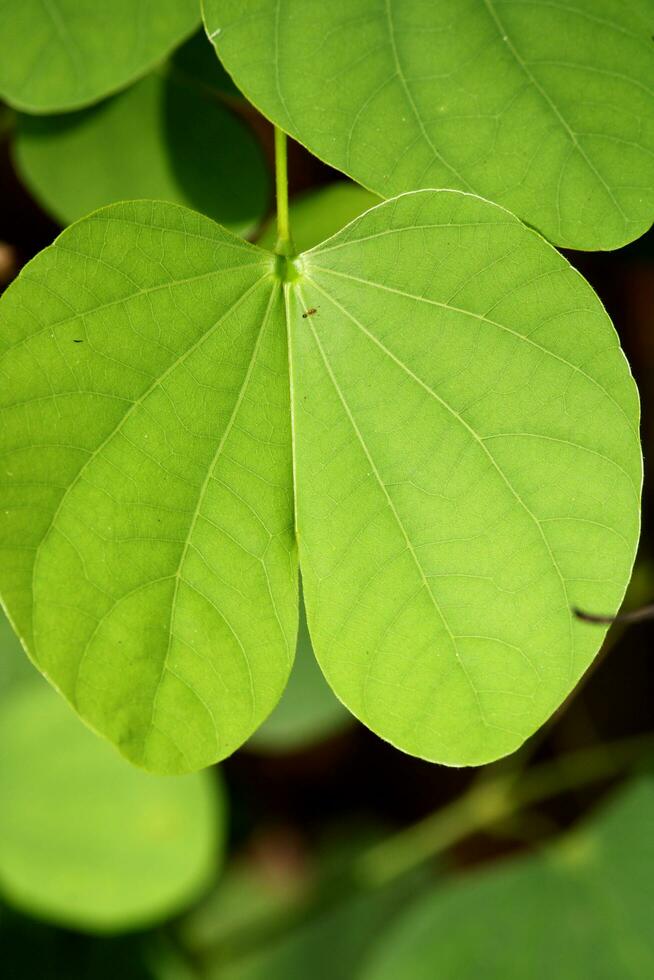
(148,553)
(581,909)
(546,108)
(460,428)
(165,138)
(64,54)
(86,839)
(467,471)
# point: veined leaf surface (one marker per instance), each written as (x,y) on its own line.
(65,54)
(454,416)
(149,562)
(546,108)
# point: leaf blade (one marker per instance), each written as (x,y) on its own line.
(481,97)
(162,139)
(64,44)
(444,519)
(173,542)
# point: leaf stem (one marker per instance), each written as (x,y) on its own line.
(490,801)
(284,244)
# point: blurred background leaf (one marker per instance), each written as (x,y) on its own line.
(169,137)
(317,215)
(86,839)
(68,54)
(308,711)
(582,908)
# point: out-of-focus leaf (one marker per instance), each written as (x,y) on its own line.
(195,62)
(308,711)
(546,108)
(64,54)
(319,214)
(583,908)
(15,668)
(166,138)
(86,839)
(330,945)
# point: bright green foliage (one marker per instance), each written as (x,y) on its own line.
(148,553)
(329,946)
(546,108)
(65,54)
(461,434)
(87,840)
(467,471)
(164,139)
(308,710)
(583,908)
(320,213)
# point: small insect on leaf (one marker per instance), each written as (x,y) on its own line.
(309,312)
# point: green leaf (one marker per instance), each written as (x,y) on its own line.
(581,909)
(308,711)
(546,108)
(195,63)
(309,949)
(64,54)
(14,668)
(460,431)
(149,560)
(87,840)
(165,138)
(467,468)
(320,213)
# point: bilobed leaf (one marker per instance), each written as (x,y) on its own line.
(65,54)
(467,467)
(583,908)
(148,555)
(546,108)
(87,840)
(165,138)
(458,430)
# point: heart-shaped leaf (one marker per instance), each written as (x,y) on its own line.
(544,107)
(164,138)
(452,414)
(65,54)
